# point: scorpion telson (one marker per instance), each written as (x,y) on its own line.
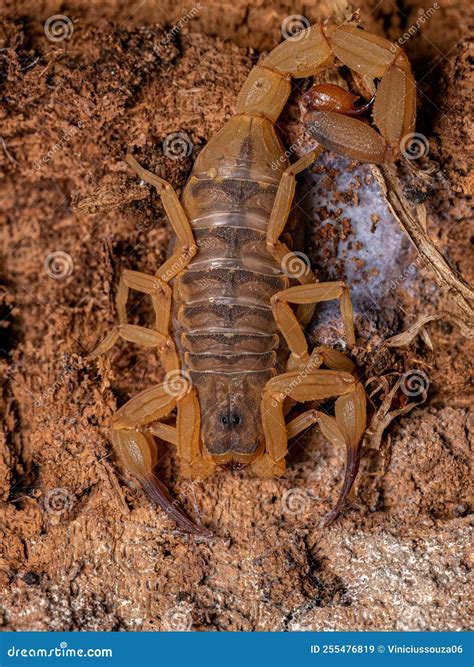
(328,97)
(229,312)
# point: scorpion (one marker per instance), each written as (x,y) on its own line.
(229,312)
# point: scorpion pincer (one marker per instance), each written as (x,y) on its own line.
(229,310)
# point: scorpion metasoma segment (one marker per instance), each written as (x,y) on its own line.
(230,313)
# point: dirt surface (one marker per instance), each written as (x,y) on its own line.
(81,548)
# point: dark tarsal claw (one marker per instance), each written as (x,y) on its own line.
(352,467)
(159,494)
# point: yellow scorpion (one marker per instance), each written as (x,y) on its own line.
(230,317)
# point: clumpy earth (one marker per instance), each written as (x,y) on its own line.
(81,548)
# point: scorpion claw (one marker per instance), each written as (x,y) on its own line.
(159,494)
(350,420)
(352,467)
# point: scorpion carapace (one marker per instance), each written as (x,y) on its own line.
(229,312)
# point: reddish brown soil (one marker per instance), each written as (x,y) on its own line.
(80,545)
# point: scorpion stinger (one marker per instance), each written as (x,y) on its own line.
(229,311)
(371,57)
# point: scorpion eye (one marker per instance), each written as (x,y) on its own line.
(230,419)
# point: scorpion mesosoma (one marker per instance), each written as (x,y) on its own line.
(227,314)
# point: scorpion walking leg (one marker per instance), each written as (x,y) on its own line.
(280,212)
(345,429)
(136,448)
(187,247)
(278,219)
(134,425)
(308,384)
(159,291)
(195,461)
(155,286)
(160,294)
(306,294)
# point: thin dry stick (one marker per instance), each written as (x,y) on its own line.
(458,291)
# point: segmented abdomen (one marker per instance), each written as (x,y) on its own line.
(222,316)
(222,313)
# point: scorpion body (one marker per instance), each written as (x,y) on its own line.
(222,317)
(230,301)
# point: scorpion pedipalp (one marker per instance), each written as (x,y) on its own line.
(137,449)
